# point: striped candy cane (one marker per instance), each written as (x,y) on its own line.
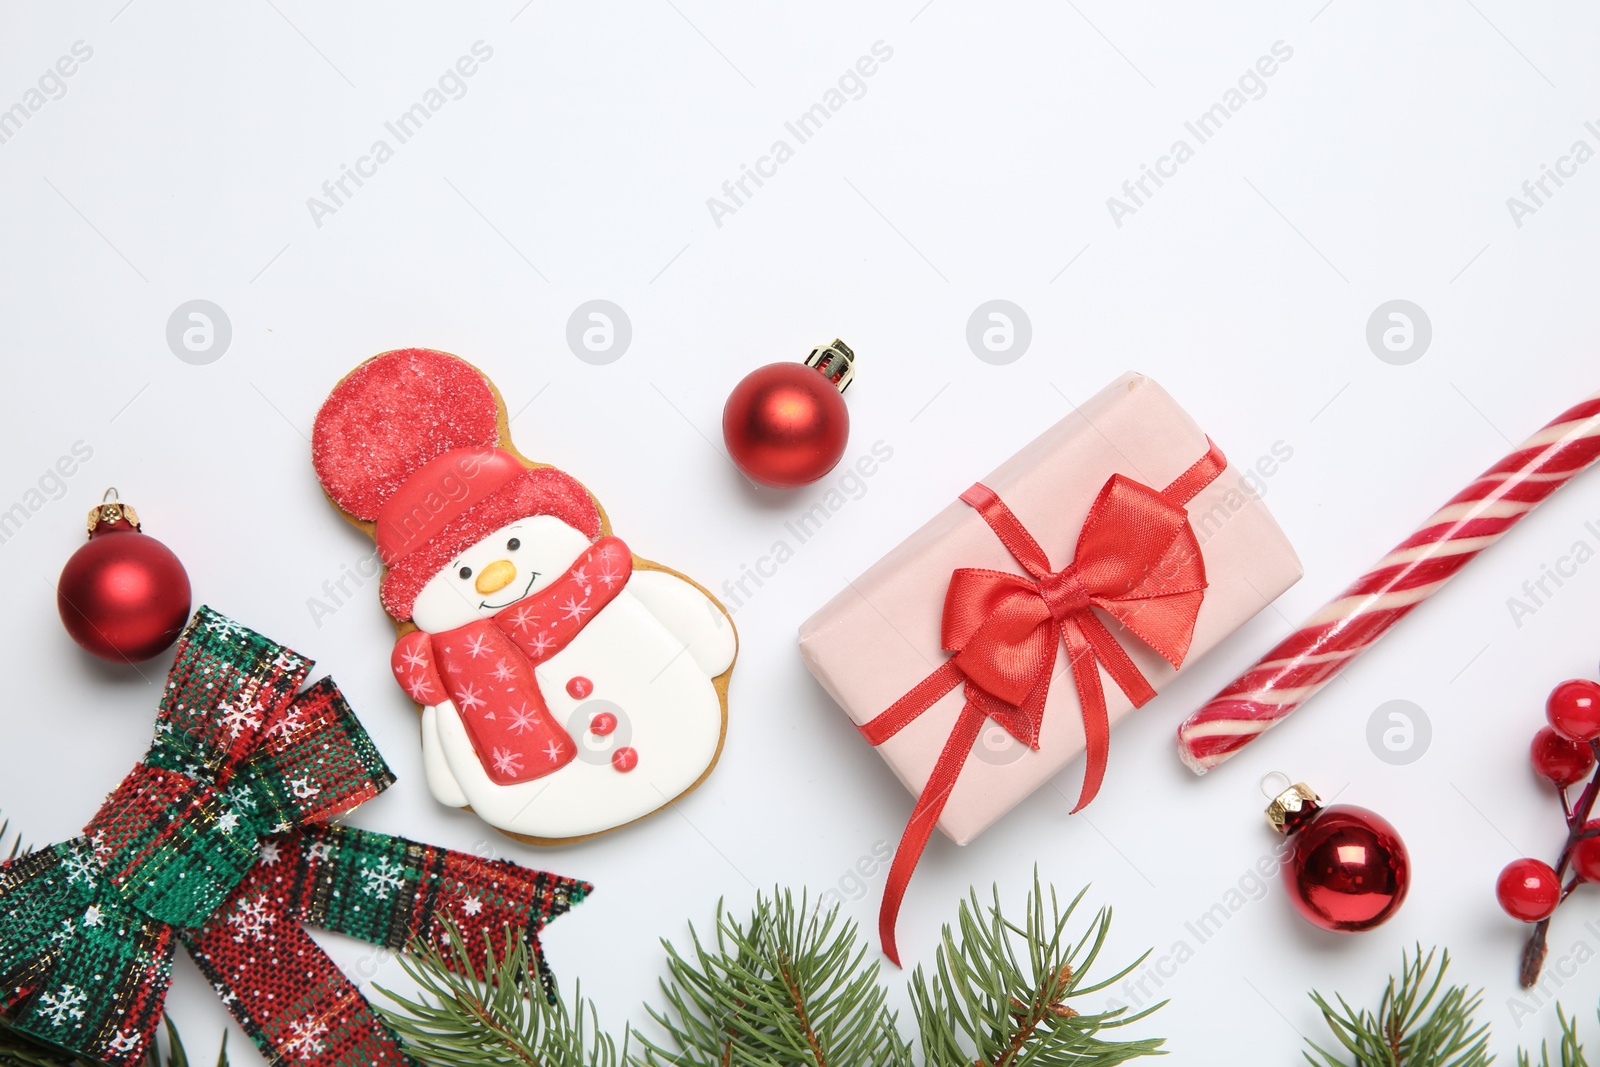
(1313,655)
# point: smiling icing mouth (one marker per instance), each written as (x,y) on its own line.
(533,576)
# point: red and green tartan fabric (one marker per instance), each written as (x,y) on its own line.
(216,840)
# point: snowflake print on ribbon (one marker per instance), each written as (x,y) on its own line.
(288,726)
(251,919)
(124,1042)
(384,878)
(94,916)
(224,628)
(472,905)
(242,798)
(59,1007)
(67,932)
(236,718)
(507,762)
(523,719)
(321,850)
(287,661)
(229,822)
(270,854)
(306,1038)
(80,868)
(303,788)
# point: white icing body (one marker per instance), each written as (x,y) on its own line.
(651,655)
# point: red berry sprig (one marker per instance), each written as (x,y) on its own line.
(1563,753)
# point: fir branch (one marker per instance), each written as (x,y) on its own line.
(1571,1052)
(1415,1025)
(459,1021)
(989,1008)
(793,986)
(790,987)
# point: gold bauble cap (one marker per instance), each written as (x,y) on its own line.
(1292,807)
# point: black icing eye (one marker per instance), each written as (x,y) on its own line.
(513,544)
(465,572)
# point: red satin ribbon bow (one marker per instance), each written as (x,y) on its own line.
(1137,559)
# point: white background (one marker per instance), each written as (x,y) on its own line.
(976,166)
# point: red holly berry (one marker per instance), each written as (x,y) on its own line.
(1528,890)
(1574,709)
(1586,853)
(1558,760)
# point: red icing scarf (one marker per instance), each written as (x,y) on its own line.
(487,666)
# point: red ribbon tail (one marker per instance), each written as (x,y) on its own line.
(923,819)
(903,712)
(1096,720)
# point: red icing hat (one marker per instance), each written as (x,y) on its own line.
(407,442)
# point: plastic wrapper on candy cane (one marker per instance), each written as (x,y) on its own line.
(1419,566)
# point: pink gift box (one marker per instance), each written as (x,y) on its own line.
(881,635)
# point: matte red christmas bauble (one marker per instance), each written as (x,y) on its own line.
(1349,870)
(786,424)
(123,596)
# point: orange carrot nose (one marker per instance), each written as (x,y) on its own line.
(495,577)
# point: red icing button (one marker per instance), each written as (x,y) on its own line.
(579,688)
(602,724)
(625,759)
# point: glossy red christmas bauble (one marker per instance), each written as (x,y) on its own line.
(1558,760)
(786,425)
(123,596)
(1349,870)
(1528,890)
(1574,709)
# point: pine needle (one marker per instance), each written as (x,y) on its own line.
(1570,1052)
(457,1021)
(790,986)
(991,1006)
(795,986)
(1416,1025)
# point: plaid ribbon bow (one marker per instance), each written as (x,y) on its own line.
(216,840)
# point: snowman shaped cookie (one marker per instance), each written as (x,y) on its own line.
(567,686)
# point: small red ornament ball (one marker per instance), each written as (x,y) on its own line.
(1574,709)
(1528,890)
(1586,853)
(1349,870)
(123,596)
(1558,760)
(786,425)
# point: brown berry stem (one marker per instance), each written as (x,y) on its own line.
(1577,817)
